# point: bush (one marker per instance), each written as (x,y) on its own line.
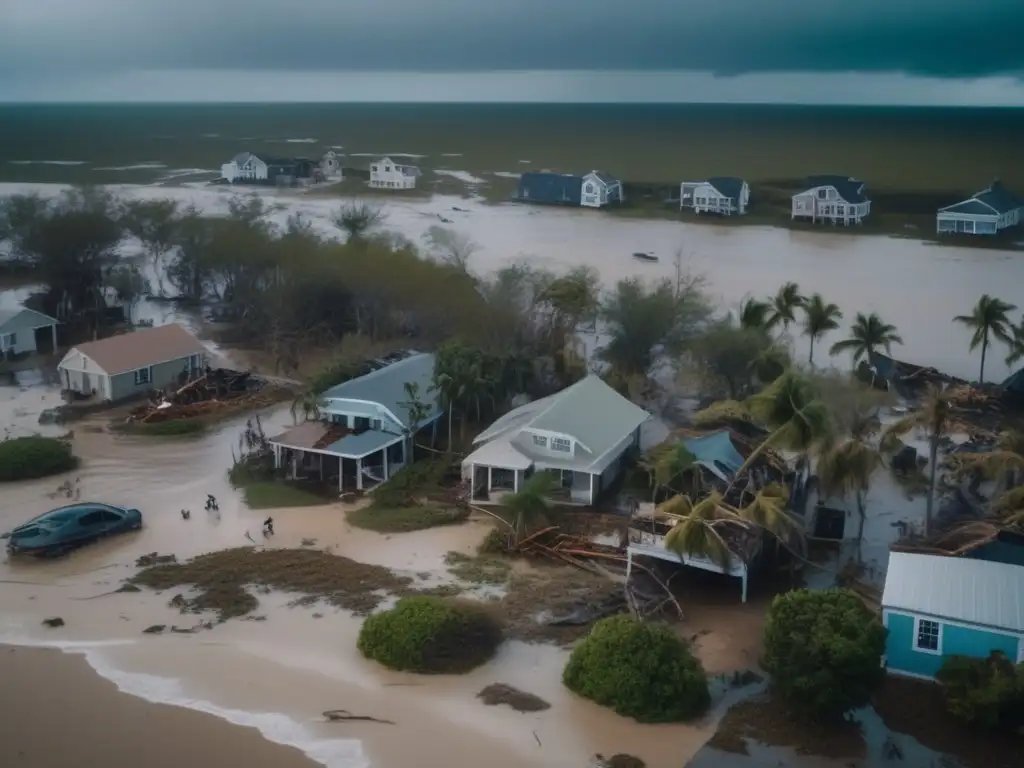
(986,692)
(431,635)
(409,484)
(405,519)
(824,651)
(643,671)
(25,458)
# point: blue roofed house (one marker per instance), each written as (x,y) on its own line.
(724,195)
(936,606)
(986,213)
(363,434)
(583,434)
(594,190)
(834,198)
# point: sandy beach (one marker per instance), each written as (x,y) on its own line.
(98,725)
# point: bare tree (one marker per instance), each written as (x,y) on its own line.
(154,223)
(451,247)
(357,218)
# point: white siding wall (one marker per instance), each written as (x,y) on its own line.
(386,174)
(825,203)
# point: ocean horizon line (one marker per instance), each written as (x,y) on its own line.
(523,103)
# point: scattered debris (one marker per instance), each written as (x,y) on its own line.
(344,716)
(215,390)
(619,760)
(155,629)
(55,621)
(308,542)
(127,587)
(520,701)
(154,558)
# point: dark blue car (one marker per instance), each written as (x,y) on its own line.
(65,528)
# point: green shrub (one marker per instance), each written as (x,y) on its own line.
(405,519)
(823,649)
(25,458)
(172,427)
(643,671)
(431,635)
(407,486)
(986,692)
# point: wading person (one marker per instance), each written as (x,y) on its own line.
(268,527)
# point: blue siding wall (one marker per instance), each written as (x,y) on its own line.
(956,641)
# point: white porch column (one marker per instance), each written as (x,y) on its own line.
(472,482)
(515,481)
(359,474)
(629,563)
(490,480)
(591,489)
(320,456)
(384,451)
(744,578)
(277,457)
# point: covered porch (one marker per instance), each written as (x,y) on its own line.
(497,469)
(357,461)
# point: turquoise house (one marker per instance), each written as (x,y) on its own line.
(936,606)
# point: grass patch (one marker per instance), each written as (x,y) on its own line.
(483,569)
(269,495)
(431,635)
(221,579)
(520,701)
(405,519)
(26,458)
(170,428)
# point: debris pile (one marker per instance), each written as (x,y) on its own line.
(214,390)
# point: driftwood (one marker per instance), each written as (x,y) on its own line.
(344,716)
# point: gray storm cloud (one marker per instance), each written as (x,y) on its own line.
(947,39)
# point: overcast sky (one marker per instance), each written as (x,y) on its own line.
(117,49)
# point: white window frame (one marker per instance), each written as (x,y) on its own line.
(149,376)
(557,444)
(937,651)
(540,441)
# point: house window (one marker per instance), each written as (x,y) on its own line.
(540,441)
(928,636)
(561,444)
(840,209)
(822,194)
(590,189)
(373,168)
(9,341)
(143,376)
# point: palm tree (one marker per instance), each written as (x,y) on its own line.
(819,319)
(1016,345)
(309,403)
(988,319)
(792,409)
(783,307)
(530,501)
(446,385)
(936,417)
(867,333)
(845,468)
(754,314)
(665,462)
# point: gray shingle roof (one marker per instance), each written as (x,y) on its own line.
(727,186)
(605,178)
(386,386)
(41,320)
(851,190)
(1000,198)
(970,207)
(590,411)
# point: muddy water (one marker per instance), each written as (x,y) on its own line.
(916,286)
(293,664)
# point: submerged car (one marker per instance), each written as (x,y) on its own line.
(65,528)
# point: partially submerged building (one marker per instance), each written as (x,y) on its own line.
(593,190)
(985,213)
(23,331)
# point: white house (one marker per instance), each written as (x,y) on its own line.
(581,433)
(20,328)
(330,165)
(363,437)
(986,213)
(244,167)
(599,189)
(387,174)
(724,195)
(838,199)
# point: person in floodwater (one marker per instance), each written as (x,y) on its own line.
(268,527)
(211,502)
(185,514)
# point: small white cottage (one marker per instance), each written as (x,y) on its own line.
(387,174)
(724,195)
(244,167)
(600,189)
(330,165)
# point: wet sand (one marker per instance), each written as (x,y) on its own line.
(57,712)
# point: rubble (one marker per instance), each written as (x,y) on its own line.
(215,390)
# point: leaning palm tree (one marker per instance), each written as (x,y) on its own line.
(937,418)
(989,319)
(1016,345)
(309,404)
(794,412)
(700,528)
(867,334)
(754,313)
(820,317)
(784,305)
(845,468)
